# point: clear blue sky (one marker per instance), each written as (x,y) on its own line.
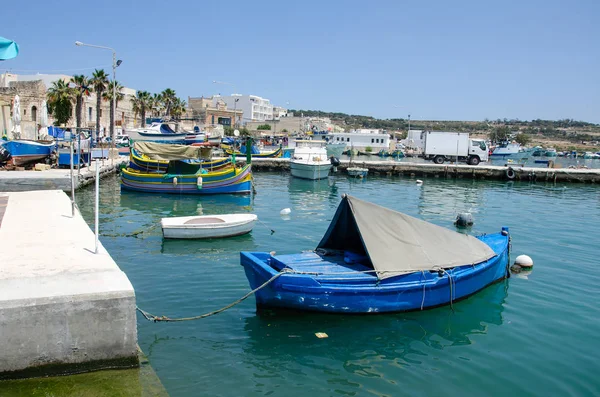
(456,60)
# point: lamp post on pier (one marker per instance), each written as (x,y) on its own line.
(115,64)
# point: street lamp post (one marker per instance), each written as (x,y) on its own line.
(235,101)
(114,89)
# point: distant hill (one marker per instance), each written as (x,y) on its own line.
(567,129)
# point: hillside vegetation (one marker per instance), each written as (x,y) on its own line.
(569,131)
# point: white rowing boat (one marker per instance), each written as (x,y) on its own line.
(208,226)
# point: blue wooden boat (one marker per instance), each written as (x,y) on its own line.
(375,260)
(25,151)
(185,178)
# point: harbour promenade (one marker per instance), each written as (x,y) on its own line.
(56,178)
(449,170)
(63,308)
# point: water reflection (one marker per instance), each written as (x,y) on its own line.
(313,197)
(185,205)
(442,201)
(244,242)
(284,342)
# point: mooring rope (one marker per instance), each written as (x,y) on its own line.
(265,225)
(152,317)
(134,234)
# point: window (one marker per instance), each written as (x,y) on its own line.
(100,112)
(372,140)
(224,121)
(347,139)
(89,114)
(33,113)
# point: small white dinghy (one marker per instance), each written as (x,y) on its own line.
(358,172)
(208,226)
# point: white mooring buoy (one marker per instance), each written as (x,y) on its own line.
(524,261)
(419,182)
(285,211)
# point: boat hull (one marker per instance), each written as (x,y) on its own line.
(365,293)
(238,181)
(312,171)
(216,226)
(24,152)
(358,172)
(157,137)
(273,154)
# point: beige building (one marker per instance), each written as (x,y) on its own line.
(32,92)
(211,112)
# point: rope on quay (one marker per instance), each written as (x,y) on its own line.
(152,317)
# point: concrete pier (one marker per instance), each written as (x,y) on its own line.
(55,179)
(63,309)
(460,171)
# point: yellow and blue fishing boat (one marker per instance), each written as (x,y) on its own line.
(228,149)
(186,178)
(153,157)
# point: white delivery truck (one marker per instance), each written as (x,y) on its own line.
(440,146)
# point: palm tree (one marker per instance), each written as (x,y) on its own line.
(81,88)
(60,101)
(99,81)
(156,104)
(108,95)
(141,103)
(168,99)
(178,108)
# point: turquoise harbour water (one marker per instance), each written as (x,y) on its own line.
(525,336)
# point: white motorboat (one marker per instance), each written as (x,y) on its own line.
(506,149)
(163,133)
(207,226)
(310,160)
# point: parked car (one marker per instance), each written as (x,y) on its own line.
(122,140)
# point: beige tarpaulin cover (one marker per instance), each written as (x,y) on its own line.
(167,152)
(397,243)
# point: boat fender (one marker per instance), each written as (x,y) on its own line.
(174,181)
(464,219)
(199,182)
(510,173)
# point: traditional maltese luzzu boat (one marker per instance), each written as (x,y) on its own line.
(184,176)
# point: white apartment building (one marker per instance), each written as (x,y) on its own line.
(255,108)
(362,140)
